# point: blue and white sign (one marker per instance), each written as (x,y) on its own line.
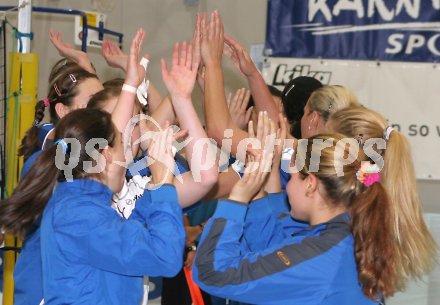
(405,93)
(386,30)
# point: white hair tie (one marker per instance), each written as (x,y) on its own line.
(387,132)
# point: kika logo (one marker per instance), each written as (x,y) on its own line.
(395,15)
(284,73)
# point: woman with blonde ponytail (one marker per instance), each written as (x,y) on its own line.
(321,104)
(346,255)
(415,248)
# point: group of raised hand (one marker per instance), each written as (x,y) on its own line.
(199,60)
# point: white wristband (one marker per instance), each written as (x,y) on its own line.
(142,92)
(129,88)
(144,63)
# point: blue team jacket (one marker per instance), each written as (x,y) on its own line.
(314,265)
(28,286)
(264,218)
(90,255)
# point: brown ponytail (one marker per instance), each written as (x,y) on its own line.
(414,247)
(379,252)
(29,143)
(24,208)
(375,255)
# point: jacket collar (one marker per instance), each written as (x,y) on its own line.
(85,186)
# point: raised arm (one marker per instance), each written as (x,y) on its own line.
(273,184)
(115,58)
(134,76)
(180,81)
(243,61)
(238,107)
(67,50)
(165,111)
(217,114)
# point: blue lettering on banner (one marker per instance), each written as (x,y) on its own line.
(396,30)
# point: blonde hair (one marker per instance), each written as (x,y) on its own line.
(414,245)
(370,211)
(329,99)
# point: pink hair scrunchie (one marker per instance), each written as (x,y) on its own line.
(368,174)
(46,102)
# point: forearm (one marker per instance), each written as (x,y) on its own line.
(165,113)
(217,115)
(216,109)
(223,186)
(126,101)
(262,97)
(155,99)
(189,120)
(123,110)
(273,184)
(200,154)
(86,64)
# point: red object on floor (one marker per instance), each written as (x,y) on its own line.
(196,294)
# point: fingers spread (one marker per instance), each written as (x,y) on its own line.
(175,56)
(183,51)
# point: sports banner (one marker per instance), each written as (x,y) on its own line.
(406,94)
(391,30)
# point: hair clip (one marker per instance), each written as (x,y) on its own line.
(63,144)
(330,106)
(387,132)
(290,89)
(46,102)
(368,174)
(73,78)
(57,90)
(359,138)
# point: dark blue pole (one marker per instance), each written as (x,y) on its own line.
(101,30)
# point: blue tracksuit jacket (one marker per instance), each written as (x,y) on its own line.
(266,216)
(314,265)
(90,255)
(28,288)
